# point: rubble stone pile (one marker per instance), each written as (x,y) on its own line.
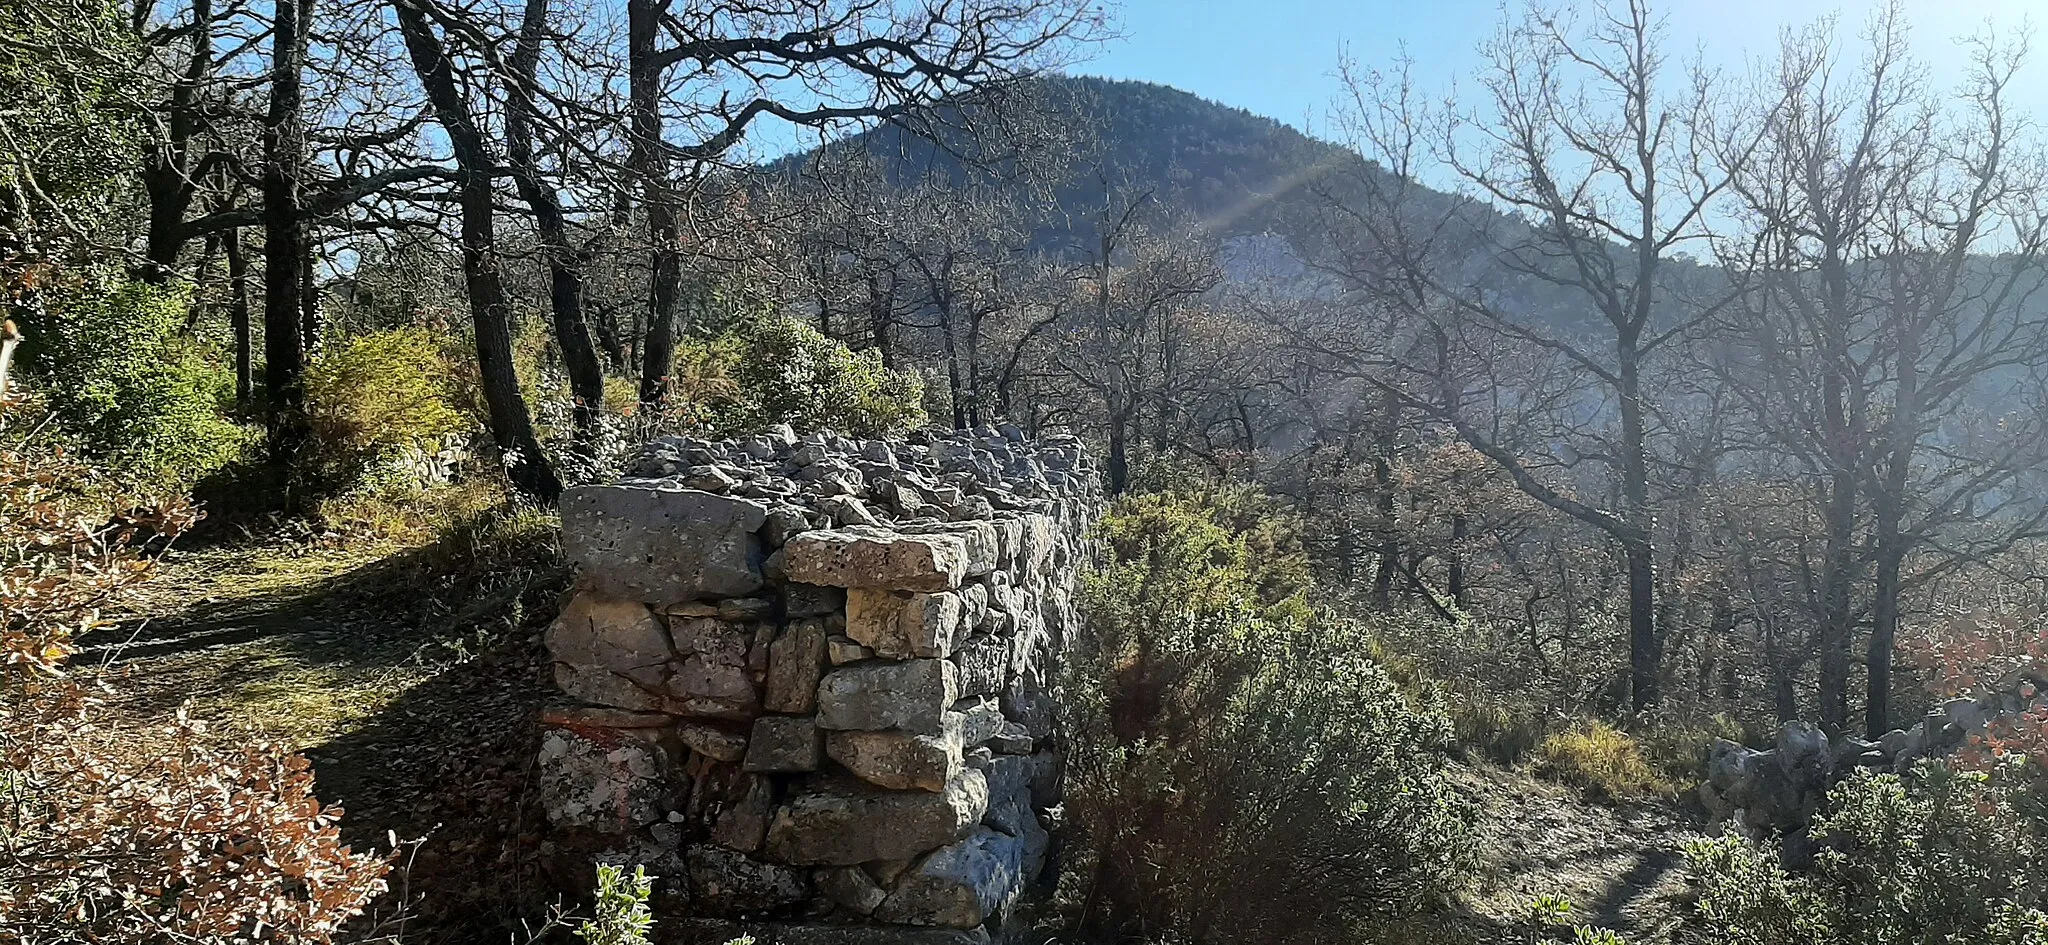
(1776,791)
(811,680)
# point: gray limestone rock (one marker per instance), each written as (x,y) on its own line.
(912,696)
(784,743)
(864,556)
(796,661)
(842,828)
(729,883)
(662,545)
(961,885)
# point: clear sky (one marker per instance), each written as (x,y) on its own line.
(1274,57)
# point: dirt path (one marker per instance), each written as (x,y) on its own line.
(1622,866)
(413,694)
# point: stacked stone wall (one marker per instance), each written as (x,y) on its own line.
(811,680)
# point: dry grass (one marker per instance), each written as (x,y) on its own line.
(1601,760)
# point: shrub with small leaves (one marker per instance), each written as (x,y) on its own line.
(1241,770)
(370,398)
(1938,855)
(620,915)
(768,369)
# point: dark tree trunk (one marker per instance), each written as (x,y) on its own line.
(565,264)
(167,173)
(650,166)
(238,315)
(284,232)
(489,311)
(1644,656)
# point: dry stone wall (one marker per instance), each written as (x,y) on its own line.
(810,680)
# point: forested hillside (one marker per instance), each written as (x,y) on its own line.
(1600,505)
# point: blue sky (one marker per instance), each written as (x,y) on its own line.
(1274,57)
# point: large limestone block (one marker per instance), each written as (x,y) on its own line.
(663,545)
(959,886)
(864,556)
(912,696)
(710,676)
(796,662)
(901,760)
(616,635)
(901,625)
(984,662)
(842,828)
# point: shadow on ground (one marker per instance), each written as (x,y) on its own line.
(411,680)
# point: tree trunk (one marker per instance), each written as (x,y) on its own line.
(489,311)
(284,232)
(1644,656)
(649,164)
(238,315)
(167,171)
(565,265)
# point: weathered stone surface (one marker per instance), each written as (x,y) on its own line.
(900,760)
(727,882)
(865,556)
(603,632)
(812,600)
(978,539)
(902,625)
(843,650)
(663,545)
(796,662)
(981,719)
(609,783)
(961,885)
(984,662)
(842,829)
(912,695)
(605,688)
(711,741)
(784,743)
(710,675)
(744,825)
(851,887)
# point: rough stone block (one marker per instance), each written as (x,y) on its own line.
(912,696)
(842,829)
(984,662)
(605,781)
(902,625)
(978,538)
(865,556)
(726,882)
(710,676)
(785,743)
(812,600)
(744,825)
(796,662)
(842,650)
(961,885)
(608,633)
(981,719)
(604,688)
(663,545)
(900,760)
(711,741)
(851,888)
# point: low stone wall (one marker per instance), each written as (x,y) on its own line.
(1775,792)
(811,679)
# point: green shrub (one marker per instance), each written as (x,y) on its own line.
(768,369)
(1933,856)
(370,398)
(1600,759)
(116,365)
(621,914)
(1241,769)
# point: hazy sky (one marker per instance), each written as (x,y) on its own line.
(1274,57)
